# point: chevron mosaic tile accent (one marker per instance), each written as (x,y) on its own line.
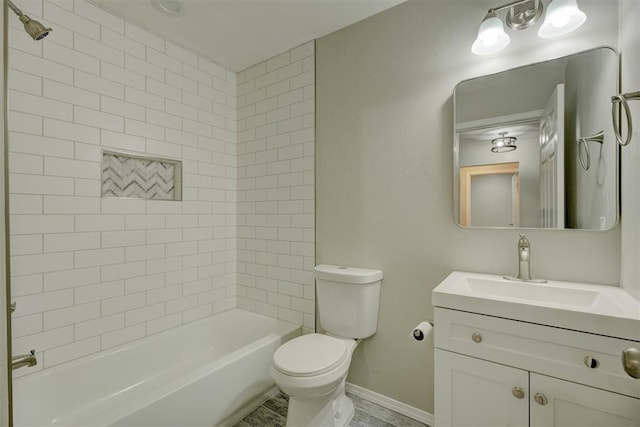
(139,177)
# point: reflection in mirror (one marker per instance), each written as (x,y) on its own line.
(534,146)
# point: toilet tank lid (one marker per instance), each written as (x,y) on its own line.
(339,273)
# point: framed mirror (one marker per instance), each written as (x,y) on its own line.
(534,146)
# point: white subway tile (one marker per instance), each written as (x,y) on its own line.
(99,326)
(278,61)
(27,103)
(98,84)
(22,43)
(71,205)
(126,44)
(62,242)
(197,313)
(164,323)
(98,257)
(98,223)
(181,304)
(38,224)
(70,279)
(143,314)
(113,205)
(25,285)
(70,57)
(123,271)
(26,244)
(121,75)
(98,119)
(136,33)
(194,73)
(89,152)
(87,187)
(26,325)
(39,184)
(211,67)
(142,67)
(69,352)
(164,265)
(71,21)
(66,93)
(122,108)
(122,303)
(215,95)
(303,51)
(145,99)
(38,303)
(181,110)
(164,61)
(41,67)
(143,222)
(122,141)
(25,163)
(97,292)
(164,207)
(67,316)
(98,15)
(196,127)
(146,252)
(23,82)
(290,70)
(144,283)
(181,82)
(112,239)
(142,129)
(164,236)
(43,340)
(71,168)
(181,54)
(163,119)
(157,88)
(122,336)
(34,144)
(155,296)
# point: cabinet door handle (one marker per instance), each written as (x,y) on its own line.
(518,393)
(591,362)
(476,337)
(540,399)
(631,362)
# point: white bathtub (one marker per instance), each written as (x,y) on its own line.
(196,375)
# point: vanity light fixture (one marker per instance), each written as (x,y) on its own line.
(562,17)
(504,143)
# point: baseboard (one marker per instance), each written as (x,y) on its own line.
(389,403)
(249,407)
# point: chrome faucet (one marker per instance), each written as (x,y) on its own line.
(524,256)
(24,360)
(524,248)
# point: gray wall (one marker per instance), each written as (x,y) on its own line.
(384,172)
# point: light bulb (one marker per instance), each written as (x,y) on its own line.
(562,17)
(491,36)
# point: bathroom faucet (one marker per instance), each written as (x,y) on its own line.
(524,256)
(24,360)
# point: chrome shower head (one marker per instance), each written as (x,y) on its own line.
(35,29)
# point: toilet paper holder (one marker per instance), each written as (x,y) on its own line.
(419,332)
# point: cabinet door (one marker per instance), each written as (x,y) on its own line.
(570,404)
(476,393)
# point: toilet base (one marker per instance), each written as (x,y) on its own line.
(333,410)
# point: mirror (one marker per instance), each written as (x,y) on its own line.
(534,146)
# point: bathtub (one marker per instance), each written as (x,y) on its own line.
(196,375)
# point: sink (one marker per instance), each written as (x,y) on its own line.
(580,306)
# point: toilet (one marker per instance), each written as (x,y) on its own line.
(312,369)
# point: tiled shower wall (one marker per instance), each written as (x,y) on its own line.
(90,273)
(276,227)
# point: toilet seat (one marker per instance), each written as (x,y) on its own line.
(310,355)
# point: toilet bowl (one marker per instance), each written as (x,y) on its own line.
(312,369)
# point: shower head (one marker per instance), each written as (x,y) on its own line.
(35,29)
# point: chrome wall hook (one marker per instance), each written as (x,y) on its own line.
(622,99)
(583,147)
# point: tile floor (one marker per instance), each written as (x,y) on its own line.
(273,413)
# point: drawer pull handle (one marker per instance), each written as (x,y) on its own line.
(591,362)
(540,399)
(631,362)
(476,337)
(518,393)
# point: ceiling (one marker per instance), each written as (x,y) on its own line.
(240,33)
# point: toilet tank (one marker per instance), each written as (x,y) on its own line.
(348,299)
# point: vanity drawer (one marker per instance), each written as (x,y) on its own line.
(547,350)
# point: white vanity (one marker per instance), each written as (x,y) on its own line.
(512,353)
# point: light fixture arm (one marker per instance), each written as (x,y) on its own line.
(506,6)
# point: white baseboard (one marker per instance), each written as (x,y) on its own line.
(389,403)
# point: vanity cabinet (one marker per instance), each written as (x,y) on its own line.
(495,372)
